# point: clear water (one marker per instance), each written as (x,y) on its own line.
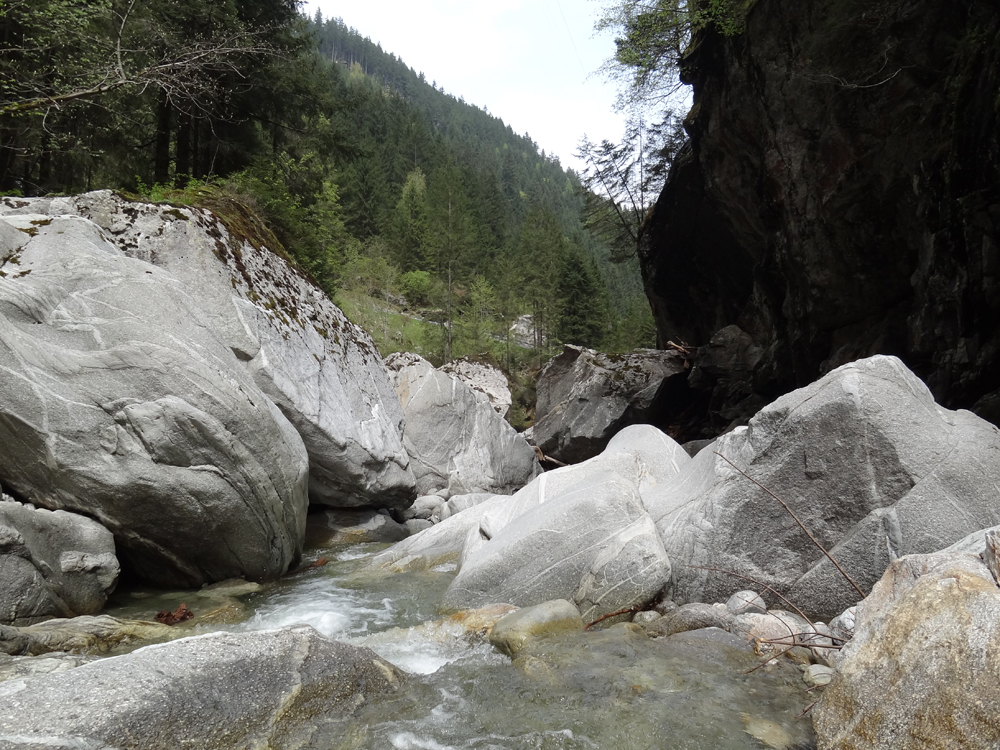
(605,689)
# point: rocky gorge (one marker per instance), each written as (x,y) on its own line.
(838,198)
(179,405)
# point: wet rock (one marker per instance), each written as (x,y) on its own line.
(865,458)
(93,634)
(456,442)
(147,421)
(231,587)
(921,668)
(352,527)
(282,689)
(486,379)
(512,633)
(322,371)
(52,564)
(648,683)
(691,617)
(586,397)
(712,635)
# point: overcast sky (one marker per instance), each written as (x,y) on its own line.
(529,62)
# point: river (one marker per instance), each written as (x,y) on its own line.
(611,688)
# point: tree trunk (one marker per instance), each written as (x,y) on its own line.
(161,154)
(183,172)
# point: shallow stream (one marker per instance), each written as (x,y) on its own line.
(613,689)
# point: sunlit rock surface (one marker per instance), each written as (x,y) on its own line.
(865,459)
(457,443)
(120,401)
(279,688)
(321,370)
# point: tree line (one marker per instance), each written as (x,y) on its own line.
(370,177)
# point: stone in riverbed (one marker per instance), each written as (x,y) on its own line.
(52,564)
(93,634)
(146,421)
(691,617)
(512,632)
(590,541)
(277,688)
(354,526)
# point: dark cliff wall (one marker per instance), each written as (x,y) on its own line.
(840,198)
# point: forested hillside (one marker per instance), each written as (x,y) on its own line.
(378,183)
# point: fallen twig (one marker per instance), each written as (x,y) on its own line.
(801,525)
(542,457)
(627,610)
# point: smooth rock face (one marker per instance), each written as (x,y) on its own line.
(52,564)
(484,378)
(456,442)
(512,632)
(435,545)
(321,370)
(121,402)
(592,543)
(585,397)
(922,668)
(278,688)
(830,201)
(866,460)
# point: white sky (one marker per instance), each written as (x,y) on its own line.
(529,62)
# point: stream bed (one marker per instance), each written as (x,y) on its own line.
(612,688)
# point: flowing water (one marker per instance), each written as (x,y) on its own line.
(604,689)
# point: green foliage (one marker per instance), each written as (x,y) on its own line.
(416,286)
(583,317)
(653,35)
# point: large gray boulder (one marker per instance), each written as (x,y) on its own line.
(485,378)
(321,370)
(457,443)
(866,460)
(52,564)
(922,669)
(592,543)
(585,397)
(278,688)
(120,401)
